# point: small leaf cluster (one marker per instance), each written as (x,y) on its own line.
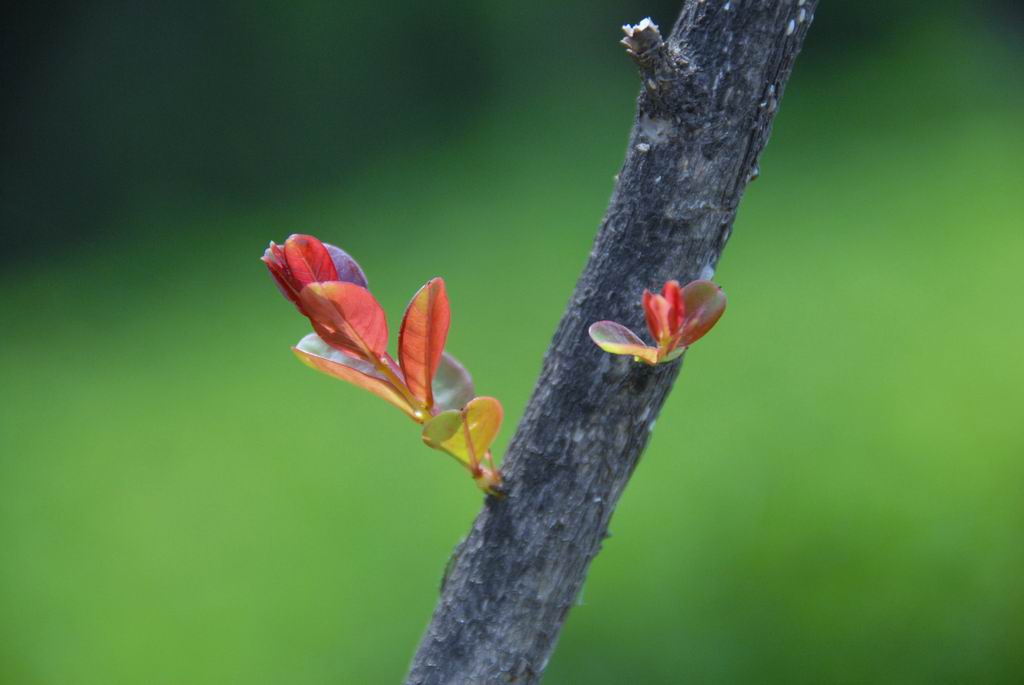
(676,318)
(350,342)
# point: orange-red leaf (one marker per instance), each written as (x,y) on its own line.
(656,311)
(673,295)
(347,317)
(317,354)
(421,338)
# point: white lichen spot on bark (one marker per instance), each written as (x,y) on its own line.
(654,130)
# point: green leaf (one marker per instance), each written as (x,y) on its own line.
(466,435)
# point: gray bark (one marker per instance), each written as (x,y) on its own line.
(704,114)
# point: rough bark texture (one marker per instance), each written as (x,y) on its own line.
(704,114)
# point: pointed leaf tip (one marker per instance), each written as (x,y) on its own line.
(422,337)
(276,267)
(704,304)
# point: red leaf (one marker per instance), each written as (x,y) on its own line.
(674,297)
(308,260)
(347,317)
(273,257)
(422,337)
(656,311)
(705,304)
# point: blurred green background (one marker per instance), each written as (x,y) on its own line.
(833,493)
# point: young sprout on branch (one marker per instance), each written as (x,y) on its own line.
(351,339)
(676,318)
(467,435)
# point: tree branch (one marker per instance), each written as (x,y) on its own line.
(704,114)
